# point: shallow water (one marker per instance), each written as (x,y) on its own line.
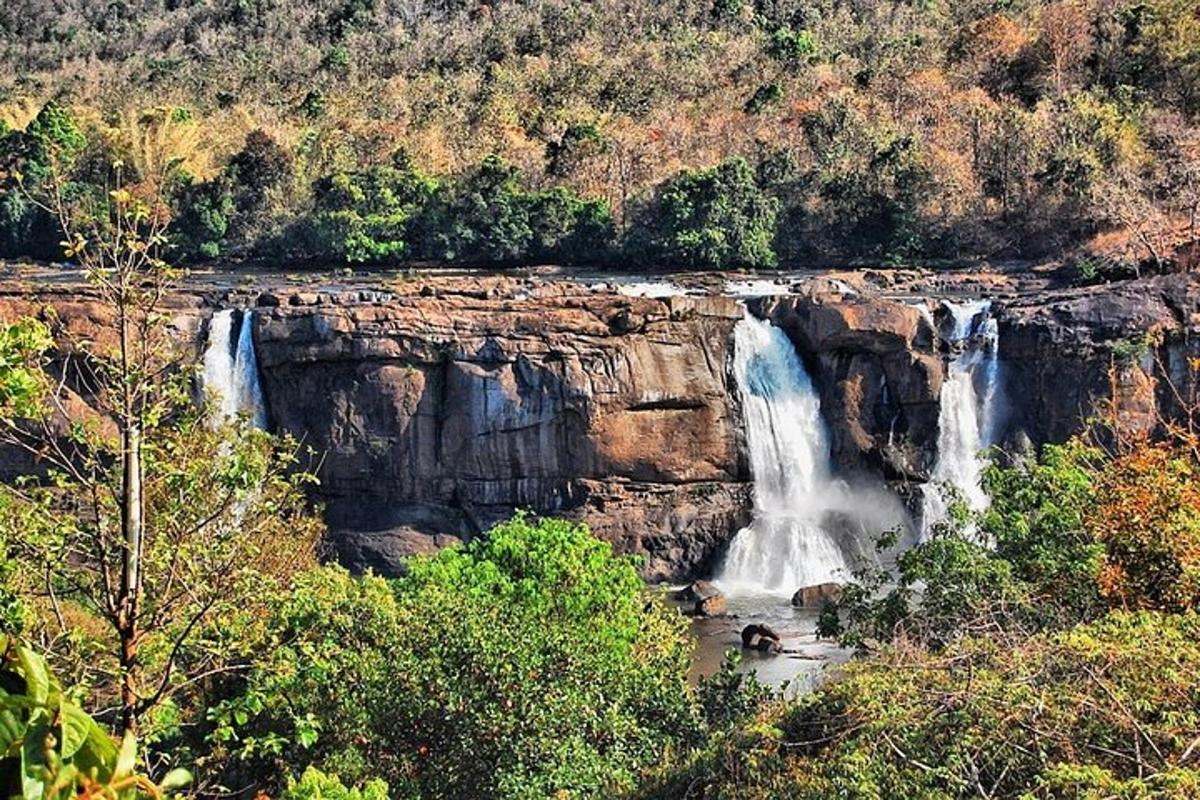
(810,662)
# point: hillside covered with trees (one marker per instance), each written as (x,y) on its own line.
(692,133)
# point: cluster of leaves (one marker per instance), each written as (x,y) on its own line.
(50,749)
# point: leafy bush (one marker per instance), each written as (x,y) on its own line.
(528,663)
(715,218)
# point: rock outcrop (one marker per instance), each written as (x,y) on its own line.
(1130,342)
(439,415)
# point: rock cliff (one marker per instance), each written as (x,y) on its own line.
(440,406)
(440,414)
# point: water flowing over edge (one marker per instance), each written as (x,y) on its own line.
(968,412)
(230,372)
(786,546)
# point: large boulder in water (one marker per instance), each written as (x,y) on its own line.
(761,638)
(817,596)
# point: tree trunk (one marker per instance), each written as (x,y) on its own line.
(131,579)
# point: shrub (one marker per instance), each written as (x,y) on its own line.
(715,218)
(567,229)
(528,663)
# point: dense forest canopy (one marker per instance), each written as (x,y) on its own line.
(871,129)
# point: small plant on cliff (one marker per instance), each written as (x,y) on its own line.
(531,662)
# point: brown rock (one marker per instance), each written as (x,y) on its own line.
(817,596)
(761,638)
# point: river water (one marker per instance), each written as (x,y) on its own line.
(807,662)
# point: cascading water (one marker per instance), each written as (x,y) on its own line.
(785,547)
(968,412)
(231,368)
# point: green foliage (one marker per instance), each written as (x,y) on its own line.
(530,662)
(202,218)
(52,749)
(568,230)
(792,46)
(731,696)
(52,138)
(367,216)
(316,785)
(714,218)
(49,146)
(1040,567)
(23,384)
(1036,522)
(1107,707)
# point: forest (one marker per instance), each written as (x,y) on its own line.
(173,622)
(730,133)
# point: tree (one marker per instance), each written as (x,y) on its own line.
(530,662)
(145,512)
(715,218)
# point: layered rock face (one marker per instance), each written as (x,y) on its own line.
(439,415)
(441,407)
(1128,343)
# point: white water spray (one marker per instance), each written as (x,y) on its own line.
(967,414)
(785,547)
(231,369)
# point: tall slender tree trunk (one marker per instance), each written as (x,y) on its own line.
(132,530)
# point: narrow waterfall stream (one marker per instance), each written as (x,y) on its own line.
(968,412)
(230,372)
(785,546)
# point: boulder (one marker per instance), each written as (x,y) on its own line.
(761,638)
(704,599)
(817,596)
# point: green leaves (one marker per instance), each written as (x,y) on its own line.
(715,218)
(60,748)
(529,662)
(23,384)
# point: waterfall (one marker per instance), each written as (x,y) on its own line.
(230,373)
(785,546)
(968,412)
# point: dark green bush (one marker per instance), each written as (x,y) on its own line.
(715,218)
